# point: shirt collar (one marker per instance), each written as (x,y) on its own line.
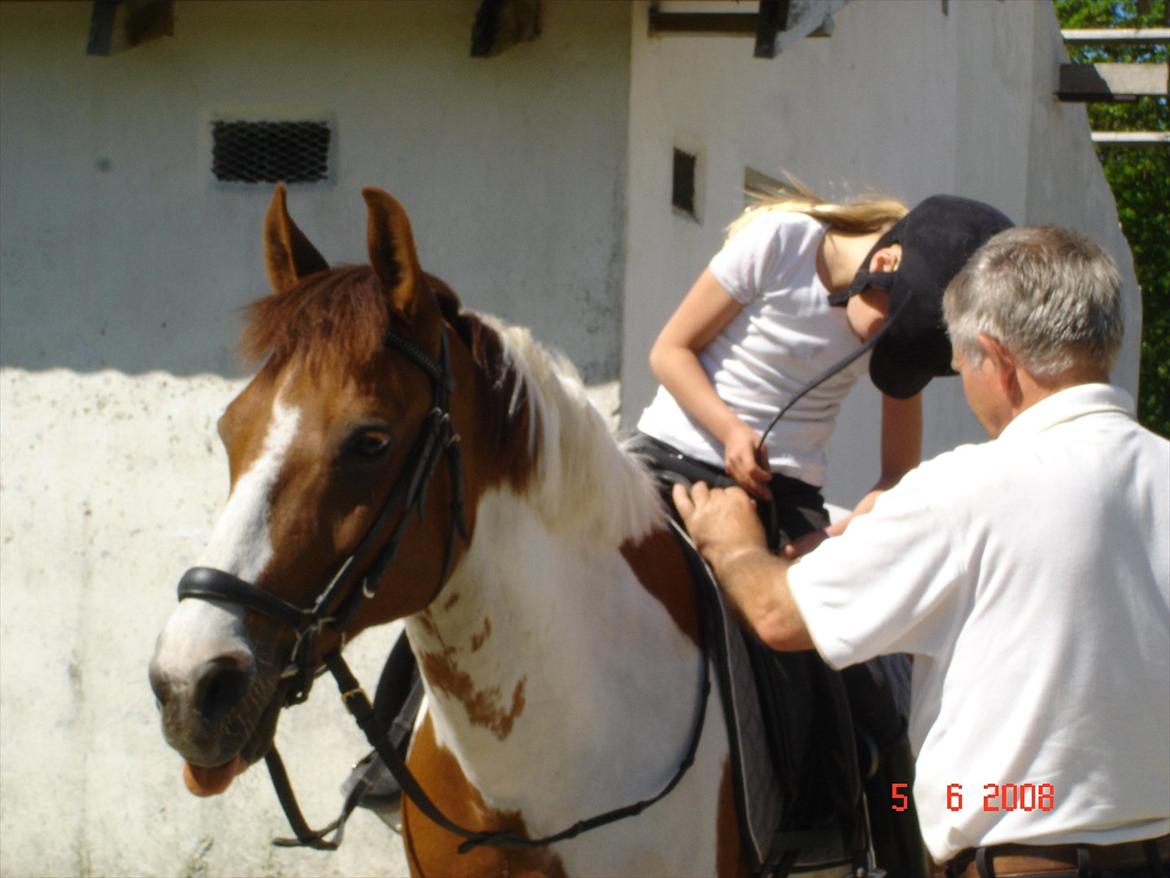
(1069,404)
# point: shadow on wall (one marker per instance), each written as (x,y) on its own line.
(114,278)
(152,287)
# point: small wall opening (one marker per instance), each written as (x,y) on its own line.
(682,189)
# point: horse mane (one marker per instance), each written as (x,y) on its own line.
(584,483)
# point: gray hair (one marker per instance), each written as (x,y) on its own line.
(1052,296)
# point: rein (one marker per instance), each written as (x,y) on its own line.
(830,372)
(345,594)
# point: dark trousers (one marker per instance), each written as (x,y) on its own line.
(797,508)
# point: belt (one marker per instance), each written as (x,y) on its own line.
(1011,860)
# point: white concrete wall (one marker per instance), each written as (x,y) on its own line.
(907,98)
(121,265)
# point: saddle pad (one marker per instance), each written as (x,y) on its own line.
(759,800)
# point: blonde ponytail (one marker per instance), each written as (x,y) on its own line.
(866,213)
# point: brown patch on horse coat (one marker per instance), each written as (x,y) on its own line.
(662,569)
(483,706)
(432,850)
(245,422)
(501,454)
(451,601)
(729,860)
(428,623)
(478,640)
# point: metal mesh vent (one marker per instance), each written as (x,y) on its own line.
(270,152)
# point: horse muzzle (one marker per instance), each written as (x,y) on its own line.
(210,688)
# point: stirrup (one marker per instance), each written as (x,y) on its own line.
(371,786)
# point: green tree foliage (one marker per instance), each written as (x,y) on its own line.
(1140,179)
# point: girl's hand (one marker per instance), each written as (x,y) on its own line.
(739,459)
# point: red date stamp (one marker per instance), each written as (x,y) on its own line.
(996,797)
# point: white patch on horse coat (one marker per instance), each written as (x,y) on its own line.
(610,682)
(611,686)
(585,483)
(240,545)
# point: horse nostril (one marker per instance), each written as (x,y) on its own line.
(221,684)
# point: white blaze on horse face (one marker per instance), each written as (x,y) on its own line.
(240,544)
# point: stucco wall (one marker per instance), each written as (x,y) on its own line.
(122,266)
(907,98)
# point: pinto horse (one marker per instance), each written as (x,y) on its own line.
(558,640)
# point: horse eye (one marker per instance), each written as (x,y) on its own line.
(370,444)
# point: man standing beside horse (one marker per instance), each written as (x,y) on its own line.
(1029,577)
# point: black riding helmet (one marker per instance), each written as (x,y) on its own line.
(937,237)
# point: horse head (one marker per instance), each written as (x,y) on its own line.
(346,502)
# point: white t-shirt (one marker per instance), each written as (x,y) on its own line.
(786,334)
(1029,577)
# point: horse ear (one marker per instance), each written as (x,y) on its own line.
(391,247)
(288,255)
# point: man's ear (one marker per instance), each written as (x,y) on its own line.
(1003,361)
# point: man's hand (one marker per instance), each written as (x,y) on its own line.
(721,521)
(724,526)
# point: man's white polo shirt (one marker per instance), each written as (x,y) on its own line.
(1029,577)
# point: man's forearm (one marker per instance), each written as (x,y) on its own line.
(727,532)
(756,583)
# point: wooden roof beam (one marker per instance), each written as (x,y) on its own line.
(1104,36)
(115,25)
(1112,82)
(1132,138)
(500,24)
(772,19)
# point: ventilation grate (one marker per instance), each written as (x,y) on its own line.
(270,151)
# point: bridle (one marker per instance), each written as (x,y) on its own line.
(357,580)
(358,577)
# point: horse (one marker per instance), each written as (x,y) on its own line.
(551,608)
